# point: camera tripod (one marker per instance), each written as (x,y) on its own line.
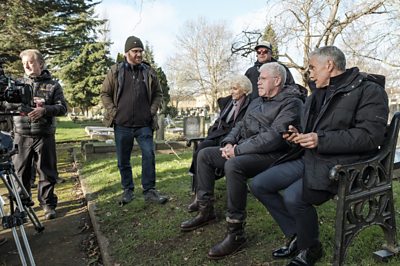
(20,207)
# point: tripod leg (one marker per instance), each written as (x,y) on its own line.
(29,211)
(15,235)
(14,180)
(34,219)
(26,244)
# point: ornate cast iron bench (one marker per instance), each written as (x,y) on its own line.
(365,198)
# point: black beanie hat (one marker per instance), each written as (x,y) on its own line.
(133,42)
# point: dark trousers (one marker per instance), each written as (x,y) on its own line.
(39,151)
(237,171)
(280,190)
(203,144)
(124,137)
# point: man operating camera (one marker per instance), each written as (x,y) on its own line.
(35,131)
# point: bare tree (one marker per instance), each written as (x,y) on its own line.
(179,90)
(367,28)
(203,61)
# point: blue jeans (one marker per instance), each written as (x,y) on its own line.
(124,137)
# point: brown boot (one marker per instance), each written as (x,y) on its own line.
(194,206)
(233,242)
(205,216)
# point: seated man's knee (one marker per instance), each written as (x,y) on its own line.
(231,166)
(256,187)
(202,154)
(292,199)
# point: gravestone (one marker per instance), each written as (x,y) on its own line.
(192,127)
(160,133)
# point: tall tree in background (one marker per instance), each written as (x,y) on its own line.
(83,77)
(68,34)
(36,24)
(269,35)
(365,28)
(318,23)
(203,60)
(82,67)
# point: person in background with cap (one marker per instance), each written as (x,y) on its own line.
(264,55)
(131,95)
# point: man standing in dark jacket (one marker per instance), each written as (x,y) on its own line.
(34,133)
(344,121)
(131,95)
(264,55)
(252,145)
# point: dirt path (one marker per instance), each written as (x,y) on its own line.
(66,240)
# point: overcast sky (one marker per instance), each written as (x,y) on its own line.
(160,21)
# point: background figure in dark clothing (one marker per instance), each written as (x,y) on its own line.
(344,121)
(251,146)
(34,133)
(232,108)
(131,95)
(264,55)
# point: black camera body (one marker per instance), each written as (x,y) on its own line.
(15,92)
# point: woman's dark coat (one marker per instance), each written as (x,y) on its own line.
(220,127)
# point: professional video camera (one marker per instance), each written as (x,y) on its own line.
(15,92)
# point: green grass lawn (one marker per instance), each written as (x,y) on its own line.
(148,234)
(67,130)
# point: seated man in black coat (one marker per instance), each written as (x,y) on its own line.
(251,146)
(344,121)
(232,108)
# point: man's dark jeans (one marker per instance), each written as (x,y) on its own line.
(124,137)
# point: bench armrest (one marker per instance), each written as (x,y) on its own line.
(193,140)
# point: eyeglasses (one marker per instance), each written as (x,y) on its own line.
(136,51)
(263,52)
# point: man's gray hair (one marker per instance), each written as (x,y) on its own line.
(333,53)
(275,69)
(36,55)
(242,82)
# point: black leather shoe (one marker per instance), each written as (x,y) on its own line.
(289,250)
(307,256)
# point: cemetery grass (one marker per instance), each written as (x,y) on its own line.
(149,234)
(69,131)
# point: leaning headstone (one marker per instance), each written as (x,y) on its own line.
(160,133)
(192,127)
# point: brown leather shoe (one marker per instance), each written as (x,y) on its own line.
(194,206)
(234,241)
(205,216)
